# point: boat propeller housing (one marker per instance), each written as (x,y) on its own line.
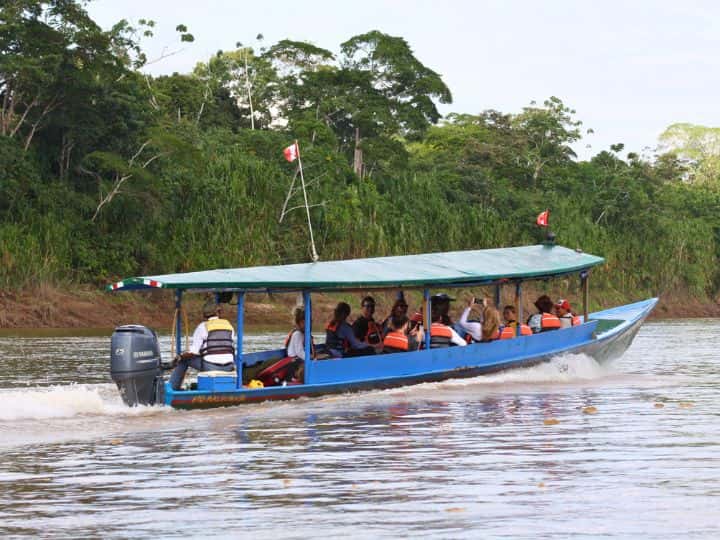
(135,365)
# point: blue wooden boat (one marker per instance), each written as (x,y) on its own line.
(604,335)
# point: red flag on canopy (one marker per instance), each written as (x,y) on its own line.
(291,152)
(542,219)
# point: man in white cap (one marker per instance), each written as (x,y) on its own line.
(212,348)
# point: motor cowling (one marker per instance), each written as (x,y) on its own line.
(135,364)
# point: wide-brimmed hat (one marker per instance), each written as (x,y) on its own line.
(441,297)
(564,304)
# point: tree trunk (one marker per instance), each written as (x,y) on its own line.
(358,159)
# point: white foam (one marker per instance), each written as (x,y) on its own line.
(63,402)
(567,368)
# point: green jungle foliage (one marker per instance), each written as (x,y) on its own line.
(106,172)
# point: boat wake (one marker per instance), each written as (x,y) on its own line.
(567,368)
(65,401)
(79,400)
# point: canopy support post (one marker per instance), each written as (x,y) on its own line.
(426,316)
(518,307)
(497,296)
(178,321)
(308,337)
(239,334)
(585,279)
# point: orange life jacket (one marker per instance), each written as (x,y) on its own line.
(373,336)
(509,332)
(440,335)
(549,322)
(396,340)
(333,339)
(576,320)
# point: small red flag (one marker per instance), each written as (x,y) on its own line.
(542,219)
(291,152)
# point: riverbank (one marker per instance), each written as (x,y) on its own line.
(85,307)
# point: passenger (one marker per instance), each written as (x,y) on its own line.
(471,327)
(290,368)
(365,328)
(544,320)
(416,321)
(400,338)
(399,312)
(565,314)
(340,338)
(490,325)
(442,335)
(295,347)
(487,328)
(212,348)
(442,301)
(510,316)
(509,329)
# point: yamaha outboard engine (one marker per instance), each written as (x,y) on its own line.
(135,365)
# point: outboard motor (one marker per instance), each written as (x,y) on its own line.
(135,365)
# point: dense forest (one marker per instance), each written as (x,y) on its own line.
(106,171)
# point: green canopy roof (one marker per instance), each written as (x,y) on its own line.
(426,270)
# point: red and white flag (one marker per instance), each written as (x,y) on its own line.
(291,152)
(542,219)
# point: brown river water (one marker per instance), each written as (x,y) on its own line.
(567,449)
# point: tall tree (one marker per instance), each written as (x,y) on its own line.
(53,54)
(698,146)
(548,132)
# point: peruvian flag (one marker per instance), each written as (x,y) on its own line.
(291,152)
(542,219)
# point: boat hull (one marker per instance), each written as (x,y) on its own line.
(605,337)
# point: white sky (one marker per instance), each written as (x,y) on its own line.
(629,68)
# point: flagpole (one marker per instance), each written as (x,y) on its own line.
(315,256)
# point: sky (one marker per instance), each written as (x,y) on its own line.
(629,68)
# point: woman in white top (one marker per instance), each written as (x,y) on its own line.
(484,330)
(474,328)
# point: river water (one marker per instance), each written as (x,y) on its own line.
(565,449)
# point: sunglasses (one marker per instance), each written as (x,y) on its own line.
(369,306)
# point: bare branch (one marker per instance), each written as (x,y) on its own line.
(111,194)
(20,122)
(163,56)
(83,170)
(119,179)
(206,95)
(287,199)
(137,154)
(303,206)
(597,221)
(54,102)
(153,100)
(149,161)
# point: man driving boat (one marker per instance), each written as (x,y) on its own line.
(212,348)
